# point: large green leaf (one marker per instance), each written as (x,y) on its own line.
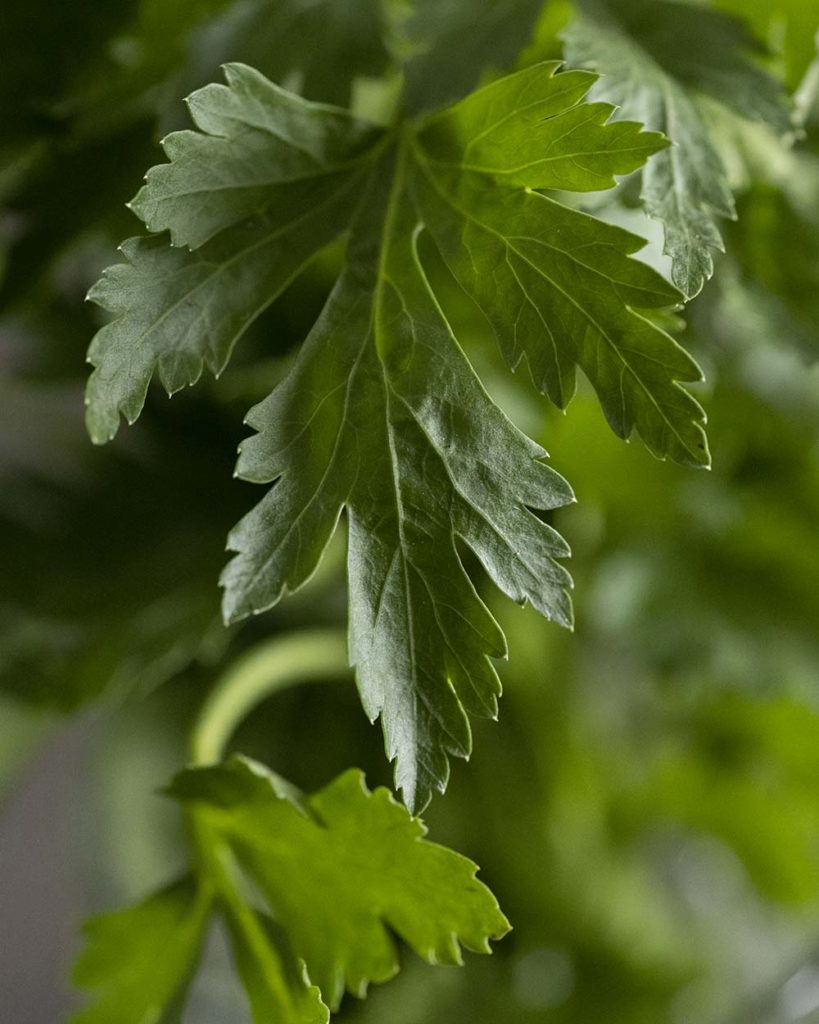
(354,426)
(656,56)
(342,869)
(382,414)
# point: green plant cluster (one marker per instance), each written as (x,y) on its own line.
(383,238)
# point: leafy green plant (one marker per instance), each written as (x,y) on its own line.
(449,217)
(383,353)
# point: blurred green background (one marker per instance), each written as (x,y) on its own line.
(647,808)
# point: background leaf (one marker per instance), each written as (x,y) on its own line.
(655,57)
(139,960)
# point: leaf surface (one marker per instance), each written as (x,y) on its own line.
(342,869)
(339,874)
(277,988)
(383,415)
(558,286)
(265,185)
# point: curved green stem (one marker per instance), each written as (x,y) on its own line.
(274,665)
(269,667)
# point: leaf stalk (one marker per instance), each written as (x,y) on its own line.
(271,666)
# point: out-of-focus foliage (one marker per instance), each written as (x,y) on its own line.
(446,46)
(139,958)
(657,58)
(646,810)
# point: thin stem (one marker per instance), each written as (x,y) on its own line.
(267,668)
(223,878)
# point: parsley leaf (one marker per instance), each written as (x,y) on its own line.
(382,414)
(276,985)
(655,56)
(338,871)
(341,869)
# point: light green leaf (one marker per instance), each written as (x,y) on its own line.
(446,46)
(138,961)
(263,976)
(275,983)
(341,870)
(531,130)
(655,56)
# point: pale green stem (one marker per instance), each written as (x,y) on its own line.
(274,665)
(265,669)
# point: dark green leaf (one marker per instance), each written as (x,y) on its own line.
(447,45)
(254,139)
(267,190)
(382,414)
(353,426)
